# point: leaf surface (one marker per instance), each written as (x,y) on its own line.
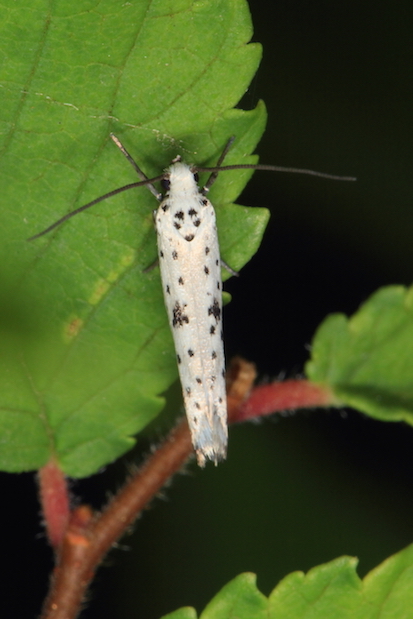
(325,591)
(366,360)
(86,350)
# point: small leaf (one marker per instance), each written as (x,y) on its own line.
(326,591)
(85,345)
(367,360)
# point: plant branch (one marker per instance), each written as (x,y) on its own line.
(90,536)
(88,539)
(281,396)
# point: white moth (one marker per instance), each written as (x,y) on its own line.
(190,266)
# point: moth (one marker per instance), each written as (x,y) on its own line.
(190,267)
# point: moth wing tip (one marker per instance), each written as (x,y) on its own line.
(214,455)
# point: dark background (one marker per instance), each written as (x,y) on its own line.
(297,490)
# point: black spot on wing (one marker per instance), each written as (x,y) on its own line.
(175,255)
(199,380)
(180,215)
(215,310)
(178,359)
(189,237)
(193,214)
(181,281)
(206,270)
(212,330)
(213,355)
(207,250)
(177,226)
(190,352)
(179,318)
(165,207)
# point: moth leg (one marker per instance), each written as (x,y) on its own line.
(228,268)
(151,267)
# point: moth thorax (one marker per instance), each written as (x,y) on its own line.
(181,179)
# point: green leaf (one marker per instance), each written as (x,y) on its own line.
(366,360)
(85,346)
(330,590)
(326,591)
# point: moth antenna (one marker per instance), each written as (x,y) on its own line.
(276,168)
(135,166)
(96,201)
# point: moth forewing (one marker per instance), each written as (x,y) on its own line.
(190,265)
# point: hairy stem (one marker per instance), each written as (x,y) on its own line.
(88,537)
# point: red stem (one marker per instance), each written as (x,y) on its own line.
(87,541)
(280,396)
(89,537)
(54,498)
